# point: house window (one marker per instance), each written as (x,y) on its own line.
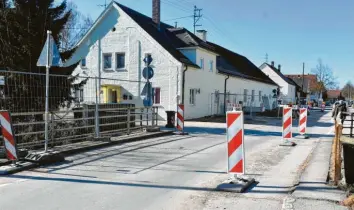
(202,63)
(245,93)
(253,92)
(120,60)
(211,66)
(79,95)
(107,61)
(83,63)
(260,96)
(156,95)
(192,93)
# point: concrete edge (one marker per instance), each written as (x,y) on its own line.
(18,169)
(87,148)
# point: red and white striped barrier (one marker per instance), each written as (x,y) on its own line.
(303,121)
(180,117)
(8,135)
(235,146)
(287,123)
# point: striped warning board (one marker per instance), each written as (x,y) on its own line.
(235,144)
(8,135)
(180,117)
(287,123)
(303,121)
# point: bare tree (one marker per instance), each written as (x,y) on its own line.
(348,90)
(75,28)
(325,78)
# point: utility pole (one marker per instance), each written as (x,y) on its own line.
(303,76)
(266,57)
(103,5)
(196,17)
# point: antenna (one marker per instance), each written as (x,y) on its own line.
(197,17)
(266,57)
(103,5)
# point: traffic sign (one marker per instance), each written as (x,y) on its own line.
(148,72)
(147,89)
(54,55)
(148,59)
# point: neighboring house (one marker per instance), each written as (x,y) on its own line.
(120,38)
(308,82)
(333,95)
(286,85)
(299,93)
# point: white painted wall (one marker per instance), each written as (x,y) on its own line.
(288,92)
(209,82)
(130,39)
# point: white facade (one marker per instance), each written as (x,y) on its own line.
(115,32)
(287,91)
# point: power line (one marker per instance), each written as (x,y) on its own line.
(179,18)
(175,6)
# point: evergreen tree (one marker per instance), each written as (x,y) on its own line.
(23,32)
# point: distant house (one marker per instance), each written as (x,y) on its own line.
(308,82)
(334,95)
(186,66)
(287,86)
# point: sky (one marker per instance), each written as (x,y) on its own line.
(289,32)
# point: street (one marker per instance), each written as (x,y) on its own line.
(176,172)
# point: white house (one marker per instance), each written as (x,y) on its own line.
(187,68)
(286,85)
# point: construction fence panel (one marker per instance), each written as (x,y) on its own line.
(220,103)
(72,106)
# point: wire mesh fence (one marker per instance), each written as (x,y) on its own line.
(72,108)
(220,103)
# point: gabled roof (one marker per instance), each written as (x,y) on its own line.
(286,79)
(238,65)
(174,39)
(162,35)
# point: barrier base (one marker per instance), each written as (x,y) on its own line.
(288,144)
(181,133)
(305,136)
(45,157)
(151,129)
(237,184)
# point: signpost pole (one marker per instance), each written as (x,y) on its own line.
(46,132)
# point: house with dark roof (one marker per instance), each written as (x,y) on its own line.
(308,82)
(188,69)
(287,86)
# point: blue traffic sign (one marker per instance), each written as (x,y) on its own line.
(148,72)
(147,89)
(148,59)
(54,55)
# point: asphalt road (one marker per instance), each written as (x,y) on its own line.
(174,172)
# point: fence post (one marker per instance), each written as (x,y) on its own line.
(141,117)
(152,116)
(157,115)
(128,120)
(97,123)
(147,116)
(52,128)
(351,125)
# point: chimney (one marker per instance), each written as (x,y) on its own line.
(156,12)
(272,63)
(279,67)
(202,34)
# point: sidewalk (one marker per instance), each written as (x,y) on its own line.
(313,191)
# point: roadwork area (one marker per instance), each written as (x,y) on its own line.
(182,172)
